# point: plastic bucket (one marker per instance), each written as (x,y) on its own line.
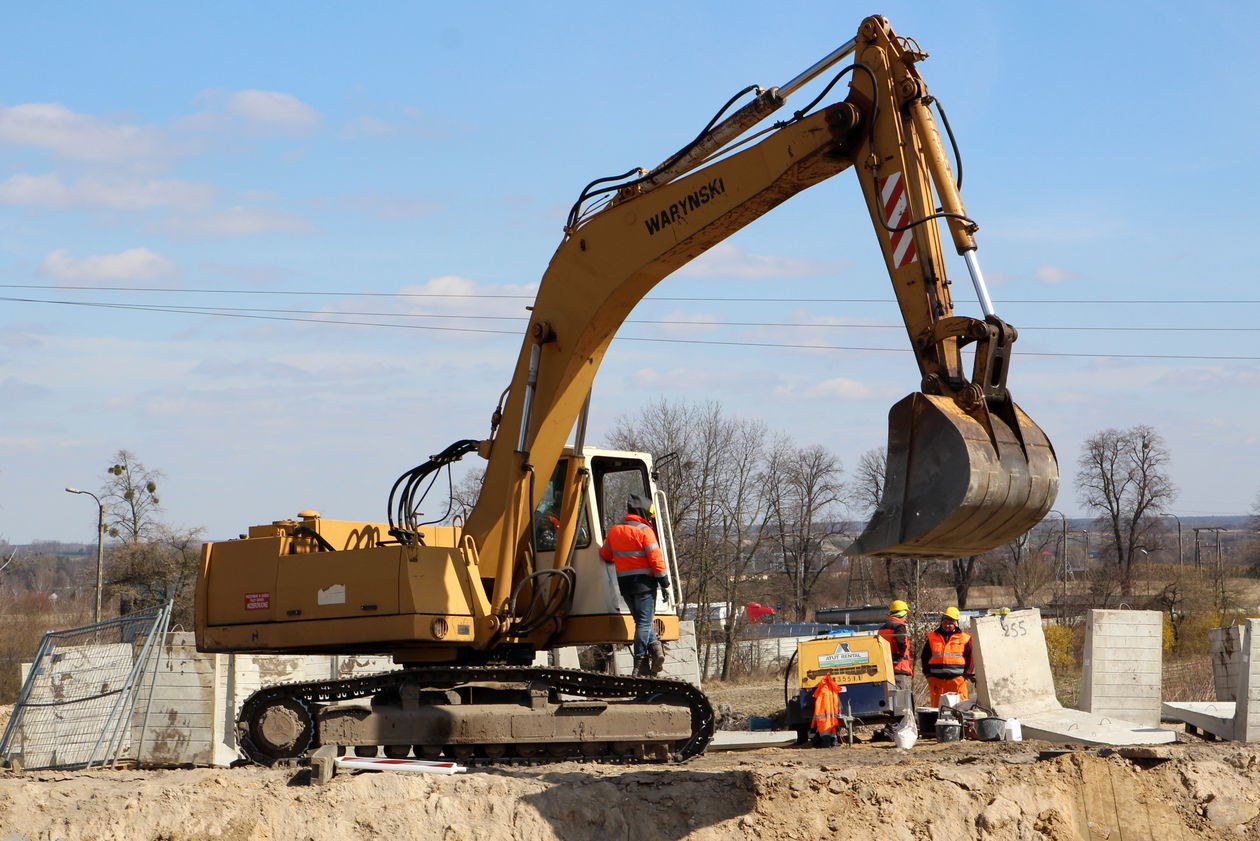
(948,731)
(927,719)
(989,729)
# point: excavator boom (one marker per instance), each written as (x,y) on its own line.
(972,471)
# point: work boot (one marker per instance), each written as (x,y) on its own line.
(656,655)
(640,667)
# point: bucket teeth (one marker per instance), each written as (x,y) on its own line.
(951,490)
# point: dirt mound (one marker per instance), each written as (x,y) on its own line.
(992,791)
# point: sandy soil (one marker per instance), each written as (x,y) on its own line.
(996,791)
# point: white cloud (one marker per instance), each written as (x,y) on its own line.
(48,125)
(113,193)
(134,264)
(460,295)
(687,379)
(832,389)
(273,108)
(240,221)
(1053,275)
(729,260)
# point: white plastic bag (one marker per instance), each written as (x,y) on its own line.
(906,733)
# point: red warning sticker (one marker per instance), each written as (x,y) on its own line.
(257,601)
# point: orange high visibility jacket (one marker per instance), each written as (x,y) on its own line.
(826,706)
(632,548)
(898,636)
(947,656)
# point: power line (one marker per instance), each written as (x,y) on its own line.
(226,311)
(785,346)
(753,300)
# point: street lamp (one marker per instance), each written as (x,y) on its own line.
(1181,559)
(100,547)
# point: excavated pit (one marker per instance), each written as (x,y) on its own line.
(971,790)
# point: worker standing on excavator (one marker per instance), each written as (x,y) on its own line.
(948,662)
(632,548)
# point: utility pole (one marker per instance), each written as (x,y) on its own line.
(100,548)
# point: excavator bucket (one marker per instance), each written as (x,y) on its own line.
(951,490)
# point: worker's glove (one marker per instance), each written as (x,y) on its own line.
(971,679)
(663,583)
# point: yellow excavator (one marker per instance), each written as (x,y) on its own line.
(464,606)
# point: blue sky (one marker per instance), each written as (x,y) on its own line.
(289,156)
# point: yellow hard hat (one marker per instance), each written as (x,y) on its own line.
(898,606)
(952,613)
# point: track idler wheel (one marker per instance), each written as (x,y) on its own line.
(283,730)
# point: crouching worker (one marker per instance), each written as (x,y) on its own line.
(632,548)
(947,658)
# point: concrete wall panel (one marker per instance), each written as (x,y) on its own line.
(1122,670)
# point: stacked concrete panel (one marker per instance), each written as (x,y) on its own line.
(1122,673)
(1014,680)
(1247,711)
(1236,668)
(190,718)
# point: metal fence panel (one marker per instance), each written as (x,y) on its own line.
(75,707)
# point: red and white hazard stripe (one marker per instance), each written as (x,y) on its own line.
(415,766)
(892,192)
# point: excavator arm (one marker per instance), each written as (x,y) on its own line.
(967,469)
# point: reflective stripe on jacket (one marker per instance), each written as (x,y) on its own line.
(898,636)
(948,656)
(632,548)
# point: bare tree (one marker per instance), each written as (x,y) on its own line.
(465,492)
(743,510)
(1251,546)
(130,498)
(805,492)
(1030,562)
(962,573)
(1123,481)
(866,488)
(144,573)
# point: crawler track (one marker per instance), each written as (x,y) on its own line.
(300,701)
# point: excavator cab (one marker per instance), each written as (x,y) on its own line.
(596,612)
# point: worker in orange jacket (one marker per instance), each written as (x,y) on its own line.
(631,546)
(947,658)
(897,633)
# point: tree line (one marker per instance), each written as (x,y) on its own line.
(760,516)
